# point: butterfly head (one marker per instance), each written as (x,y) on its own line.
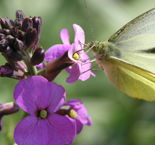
(96,47)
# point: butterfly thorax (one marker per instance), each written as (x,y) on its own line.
(104,50)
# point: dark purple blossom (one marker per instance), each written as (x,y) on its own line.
(41,99)
(75,60)
(19,45)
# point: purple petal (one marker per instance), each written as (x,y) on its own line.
(64,36)
(79,126)
(62,130)
(74,103)
(1,123)
(80,109)
(74,74)
(89,122)
(40,66)
(56,51)
(1,106)
(57,97)
(83,65)
(79,39)
(71,52)
(32,131)
(83,115)
(32,94)
(85,68)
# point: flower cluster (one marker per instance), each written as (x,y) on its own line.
(18,43)
(48,121)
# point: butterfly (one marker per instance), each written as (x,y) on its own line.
(128,57)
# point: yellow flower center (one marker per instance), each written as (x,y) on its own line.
(76,56)
(72,113)
(43,113)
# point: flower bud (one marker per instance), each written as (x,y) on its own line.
(3,45)
(8,23)
(18,23)
(9,71)
(6,70)
(6,109)
(54,67)
(19,45)
(38,56)
(11,40)
(2,36)
(30,37)
(27,23)
(21,35)
(37,23)
(20,15)
(12,55)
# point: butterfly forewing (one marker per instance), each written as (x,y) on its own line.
(143,24)
(136,41)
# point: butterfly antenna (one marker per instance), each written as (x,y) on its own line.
(89,19)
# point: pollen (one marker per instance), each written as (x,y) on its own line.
(72,113)
(76,56)
(43,113)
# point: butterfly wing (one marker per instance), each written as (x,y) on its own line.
(136,41)
(128,57)
(143,24)
(134,81)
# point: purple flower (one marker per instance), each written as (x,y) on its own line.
(41,99)
(78,110)
(69,56)
(6,109)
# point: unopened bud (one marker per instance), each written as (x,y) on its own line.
(37,23)
(38,56)
(19,45)
(54,67)
(18,23)
(8,23)
(20,15)
(9,71)
(11,40)
(12,55)
(21,35)
(31,34)
(27,23)
(3,45)
(8,108)
(3,24)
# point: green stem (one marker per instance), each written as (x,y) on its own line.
(41,71)
(31,69)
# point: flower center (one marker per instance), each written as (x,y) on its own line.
(72,113)
(76,56)
(43,113)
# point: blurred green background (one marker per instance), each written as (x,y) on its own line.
(117,119)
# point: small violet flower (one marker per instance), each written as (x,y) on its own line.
(78,112)
(69,56)
(41,99)
(82,116)
(6,109)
